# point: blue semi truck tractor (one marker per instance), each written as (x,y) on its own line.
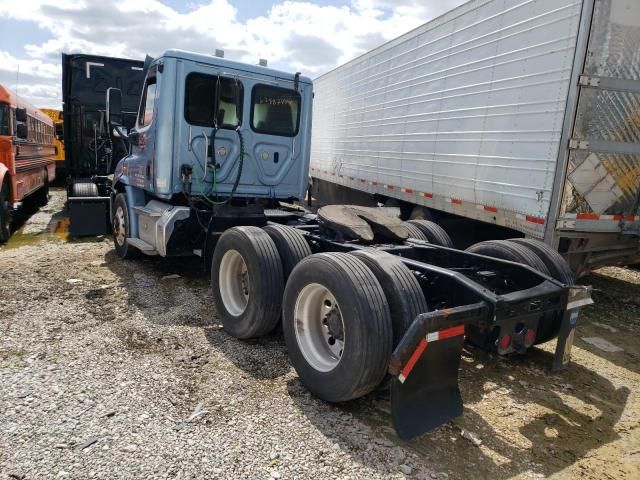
(217,158)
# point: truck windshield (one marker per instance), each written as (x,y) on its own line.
(4,119)
(275,111)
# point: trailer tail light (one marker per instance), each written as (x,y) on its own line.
(504,343)
(529,337)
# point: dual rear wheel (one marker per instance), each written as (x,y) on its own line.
(342,313)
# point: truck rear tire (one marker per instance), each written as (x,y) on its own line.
(415,232)
(247,282)
(558,267)
(122,228)
(403,292)
(434,232)
(291,246)
(337,326)
(5,213)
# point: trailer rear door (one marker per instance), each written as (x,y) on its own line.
(602,186)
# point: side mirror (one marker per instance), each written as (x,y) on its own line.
(22,131)
(114,107)
(21,114)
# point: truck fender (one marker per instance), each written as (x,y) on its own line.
(3,171)
(135,198)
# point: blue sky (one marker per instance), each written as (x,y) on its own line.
(311,36)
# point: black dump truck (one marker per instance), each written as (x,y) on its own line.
(91,150)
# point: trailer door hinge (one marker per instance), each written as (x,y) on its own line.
(576,144)
(587,81)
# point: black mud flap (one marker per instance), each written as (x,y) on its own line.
(429,395)
(424,366)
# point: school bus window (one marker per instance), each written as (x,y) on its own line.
(4,119)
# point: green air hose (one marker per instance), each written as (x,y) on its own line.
(214,185)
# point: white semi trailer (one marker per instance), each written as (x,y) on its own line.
(501,118)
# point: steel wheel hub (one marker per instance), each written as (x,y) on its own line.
(319,327)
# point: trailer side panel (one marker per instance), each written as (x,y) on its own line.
(463,114)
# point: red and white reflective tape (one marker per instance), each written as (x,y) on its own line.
(530,219)
(424,342)
(407,190)
(487,208)
(596,216)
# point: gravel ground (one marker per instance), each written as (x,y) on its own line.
(112,369)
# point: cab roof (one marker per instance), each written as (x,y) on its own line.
(224,63)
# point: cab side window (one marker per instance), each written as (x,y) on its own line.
(145,116)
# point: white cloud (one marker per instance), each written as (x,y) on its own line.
(293,35)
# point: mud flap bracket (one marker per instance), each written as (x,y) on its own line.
(424,366)
(578,297)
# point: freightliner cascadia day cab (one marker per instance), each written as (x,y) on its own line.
(498,119)
(27,152)
(218,153)
(91,153)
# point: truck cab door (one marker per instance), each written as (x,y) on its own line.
(212,111)
(140,163)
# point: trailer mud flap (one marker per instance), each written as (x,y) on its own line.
(429,396)
(425,364)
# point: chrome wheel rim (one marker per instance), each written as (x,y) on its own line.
(319,327)
(233,281)
(119,226)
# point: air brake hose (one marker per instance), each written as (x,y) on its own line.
(237,180)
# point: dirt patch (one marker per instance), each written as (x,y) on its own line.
(131,354)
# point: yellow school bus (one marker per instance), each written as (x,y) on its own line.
(56,116)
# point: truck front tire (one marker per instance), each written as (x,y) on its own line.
(122,228)
(247,282)
(337,326)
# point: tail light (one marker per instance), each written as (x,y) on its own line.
(504,343)
(529,337)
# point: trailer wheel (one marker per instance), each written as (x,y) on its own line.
(5,213)
(415,232)
(511,251)
(291,246)
(122,228)
(247,282)
(558,267)
(403,292)
(434,232)
(337,326)
(549,325)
